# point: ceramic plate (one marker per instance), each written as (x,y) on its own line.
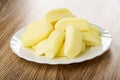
(90,53)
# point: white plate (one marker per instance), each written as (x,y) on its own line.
(91,53)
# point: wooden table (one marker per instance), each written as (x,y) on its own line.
(15,14)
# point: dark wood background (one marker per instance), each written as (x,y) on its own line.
(15,14)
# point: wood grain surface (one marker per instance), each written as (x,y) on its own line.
(15,14)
